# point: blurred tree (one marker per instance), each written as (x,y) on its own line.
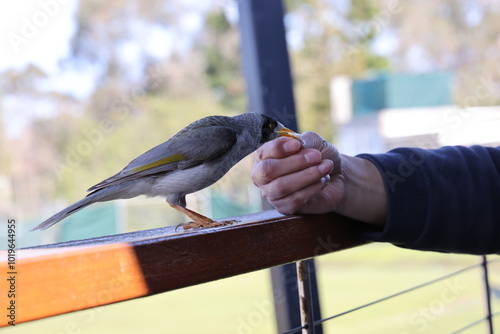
(457,35)
(21,82)
(34,155)
(140,100)
(5,149)
(222,69)
(36,140)
(150,87)
(332,40)
(104,30)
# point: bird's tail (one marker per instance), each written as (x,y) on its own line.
(91,198)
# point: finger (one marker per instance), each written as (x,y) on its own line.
(277,149)
(328,151)
(294,182)
(312,140)
(268,170)
(296,201)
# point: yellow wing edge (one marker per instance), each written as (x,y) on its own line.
(164,161)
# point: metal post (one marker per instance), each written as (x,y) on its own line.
(265,60)
(487,292)
(286,307)
(305,297)
(266,67)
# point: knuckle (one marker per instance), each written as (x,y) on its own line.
(265,171)
(268,150)
(258,155)
(312,173)
(284,211)
(288,209)
(259,176)
(275,191)
(291,204)
(284,208)
(255,178)
(297,201)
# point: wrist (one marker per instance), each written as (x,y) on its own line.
(365,193)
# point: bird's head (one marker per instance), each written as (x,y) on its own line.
(261,128)
(272,129)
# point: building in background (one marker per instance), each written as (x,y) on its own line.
(414,110)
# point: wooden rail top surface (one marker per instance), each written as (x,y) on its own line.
(75,275)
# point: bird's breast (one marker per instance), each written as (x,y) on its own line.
(186,181)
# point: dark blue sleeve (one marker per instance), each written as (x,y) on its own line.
(440,200)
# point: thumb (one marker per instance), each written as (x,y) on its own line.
(328,151)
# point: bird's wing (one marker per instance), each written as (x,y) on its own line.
(185,150)
(204,144)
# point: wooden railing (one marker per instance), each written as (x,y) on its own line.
(76,275)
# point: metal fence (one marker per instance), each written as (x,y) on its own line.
(483,265)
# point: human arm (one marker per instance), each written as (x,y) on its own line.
(441,200)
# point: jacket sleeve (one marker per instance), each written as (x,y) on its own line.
(440,200)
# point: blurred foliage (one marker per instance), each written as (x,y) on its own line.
(223,70)
(5,158)
(455,35)
(331,46)
(141,98)
(130,134)
(363,10)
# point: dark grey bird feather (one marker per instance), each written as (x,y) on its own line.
(193,159)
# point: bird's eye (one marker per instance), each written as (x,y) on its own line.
(268,129)
(269,126)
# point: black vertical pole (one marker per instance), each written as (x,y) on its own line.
(265,60)
(266,67)
(487,291)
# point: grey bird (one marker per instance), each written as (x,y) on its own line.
(193,159)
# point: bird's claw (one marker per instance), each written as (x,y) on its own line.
(205,224)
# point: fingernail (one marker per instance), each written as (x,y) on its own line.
(325,179)
(291,146)
(312,157)
(326,166)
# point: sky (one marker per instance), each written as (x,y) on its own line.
(40,32)
(35,32)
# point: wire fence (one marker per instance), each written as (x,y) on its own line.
(487,295)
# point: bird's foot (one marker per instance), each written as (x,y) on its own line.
(198,219)
(205,224)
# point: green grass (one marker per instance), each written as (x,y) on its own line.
(244,304)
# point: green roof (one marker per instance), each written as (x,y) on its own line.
(401,90)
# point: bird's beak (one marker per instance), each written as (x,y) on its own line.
(285,132)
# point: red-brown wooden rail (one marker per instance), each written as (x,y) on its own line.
(76,275)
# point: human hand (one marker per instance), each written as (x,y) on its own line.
(300,178)
(313,177)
